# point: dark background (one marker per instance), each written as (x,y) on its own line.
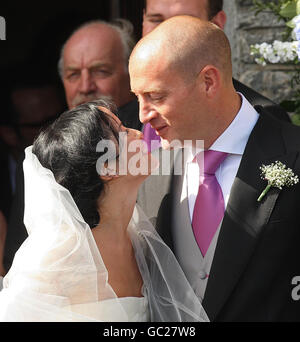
(35,32)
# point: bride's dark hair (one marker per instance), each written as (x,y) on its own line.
(68,148)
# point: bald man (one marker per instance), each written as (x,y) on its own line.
(239,254)
(157,11)
(94,64)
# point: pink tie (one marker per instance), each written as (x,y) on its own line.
(209,207)
(150,135)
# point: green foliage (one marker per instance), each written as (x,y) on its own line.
(273,6)
(285,10)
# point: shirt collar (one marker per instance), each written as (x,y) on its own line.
(234,139)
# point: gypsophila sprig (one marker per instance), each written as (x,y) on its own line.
(277,52)
(278,176)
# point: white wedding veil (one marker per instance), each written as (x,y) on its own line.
(59,267)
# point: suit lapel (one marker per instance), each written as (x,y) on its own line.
(244,218)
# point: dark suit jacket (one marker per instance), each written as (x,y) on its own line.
(257,99)
(257,253)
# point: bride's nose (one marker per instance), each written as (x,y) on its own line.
(138,134)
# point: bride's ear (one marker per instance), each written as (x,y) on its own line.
(107,172)
(108,178)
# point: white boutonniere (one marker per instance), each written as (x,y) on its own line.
(277,175)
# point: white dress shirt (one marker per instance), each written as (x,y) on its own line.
(232,141)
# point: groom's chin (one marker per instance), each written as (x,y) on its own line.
(165,144)
(170,145)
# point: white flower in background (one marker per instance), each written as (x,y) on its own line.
(277,52)
(296,32)
(296,21)
(288,51)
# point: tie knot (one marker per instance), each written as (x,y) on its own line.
(212,160)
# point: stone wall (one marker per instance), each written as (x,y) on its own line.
(245,28)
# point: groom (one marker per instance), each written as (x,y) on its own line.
(240,255)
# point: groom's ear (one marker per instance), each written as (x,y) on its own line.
(209,80)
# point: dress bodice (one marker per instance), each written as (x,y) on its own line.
(135,309)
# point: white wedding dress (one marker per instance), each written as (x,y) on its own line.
(58,273)
(137,309)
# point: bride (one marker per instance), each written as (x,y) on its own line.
(91,254)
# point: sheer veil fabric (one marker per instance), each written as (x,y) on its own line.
(59,266)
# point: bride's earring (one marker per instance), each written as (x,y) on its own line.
(110,175)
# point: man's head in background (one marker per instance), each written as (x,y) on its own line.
(185,90)
(157,11)
(94,63)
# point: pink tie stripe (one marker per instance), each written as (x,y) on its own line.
(209,206)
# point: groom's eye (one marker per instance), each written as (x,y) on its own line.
(156,97)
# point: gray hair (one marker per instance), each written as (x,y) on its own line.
(122,26)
